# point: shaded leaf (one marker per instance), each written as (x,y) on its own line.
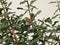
(56,11)
(35,40)
(9,4)
(55,16)
(23,2)
(40,20)
(47,25)
(5,14)
(34,7)
(58,27)
(55,23)
(1,10)
(25,12)
(32,2)
(4,26)
(16,26)
(31,9)
(1,15)
(53,2)
(20,8)
(32,16)
(48,20)
(1,0)
(37,13)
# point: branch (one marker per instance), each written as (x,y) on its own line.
(13,33)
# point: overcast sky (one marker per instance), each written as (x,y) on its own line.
(43,5)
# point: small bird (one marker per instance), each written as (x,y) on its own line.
(28,20)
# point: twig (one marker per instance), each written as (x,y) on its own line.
(28,8)
(13,33)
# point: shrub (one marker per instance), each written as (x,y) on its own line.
(17,31)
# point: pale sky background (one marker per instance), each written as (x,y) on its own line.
(43,5)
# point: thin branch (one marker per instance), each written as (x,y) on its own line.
(3,6)
(28,8)
(13,33)
(58,5)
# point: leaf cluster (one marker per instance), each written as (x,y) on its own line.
(15,30)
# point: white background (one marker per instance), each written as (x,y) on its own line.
(47,9)
(45,6)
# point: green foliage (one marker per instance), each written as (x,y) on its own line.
(48,20)
(9,4)
(17,31)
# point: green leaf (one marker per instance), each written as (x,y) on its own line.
(32,2)
(34,7)
(1,15)
(55,16)
(54,30)
(1,10)
(23,2)
(5,14)
(53,2)
(48,20)
(58,27)
(55,23)
(47,25)
(38,13)
(3,20)
(4,25)
(40,20)
(1,0)
(35,40)
(25,12)
(20,8)
(16,26)
(9,4)
(32,16)
(56,11)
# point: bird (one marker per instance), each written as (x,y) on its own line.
(28,20)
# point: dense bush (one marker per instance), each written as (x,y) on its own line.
(17,31)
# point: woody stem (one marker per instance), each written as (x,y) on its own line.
(28,8)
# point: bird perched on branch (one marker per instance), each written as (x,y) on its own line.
(28,20)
